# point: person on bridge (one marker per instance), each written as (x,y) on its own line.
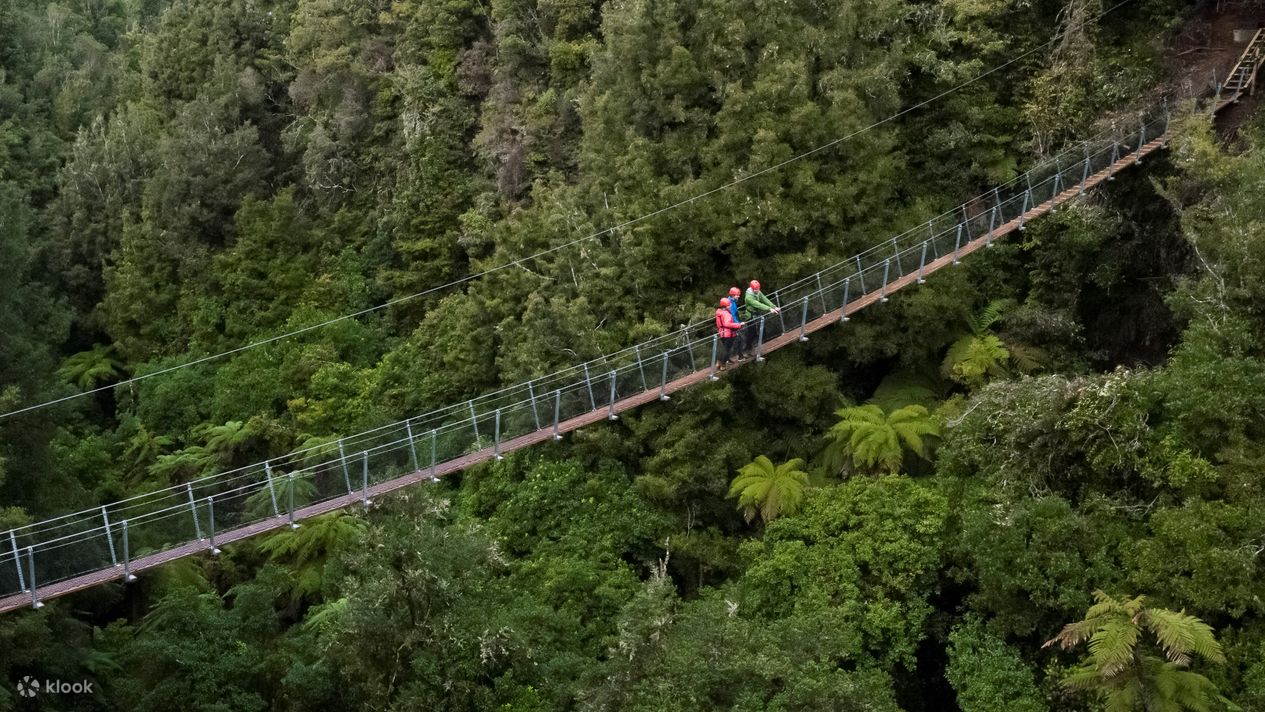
(727,328)
(756,303)
(755,306)
(735,308)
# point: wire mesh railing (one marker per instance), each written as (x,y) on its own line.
(200,510)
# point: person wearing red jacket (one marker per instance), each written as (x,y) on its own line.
(727,328)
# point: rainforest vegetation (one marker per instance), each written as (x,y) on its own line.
(1035,483)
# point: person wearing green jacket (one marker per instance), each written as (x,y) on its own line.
(755,306)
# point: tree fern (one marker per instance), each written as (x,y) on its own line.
(1125,671)
(768,490)
(873,441)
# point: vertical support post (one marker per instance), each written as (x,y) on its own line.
(127,559)
(887,267)
(759,346)
(272,492)
(1027,200)
(715,346)
(663,387)
(496,436)
(474,420)
(641,367)
(193,509)
(992,225)
(803,321)
(434,451)
(531,393)
(588,383)
(896,256)
(210,512)
(611,415)
(364,481)
(957,246)
(922,261)
(17,559)
(860,274)
(1058,186)
(412,444)
(342,458)
(843,311)
(1115,154)
(290,508)
(30,562)
(557,413)
(825,307)
(1137,152)
(1085,170)
(689,348)
(109,538)
(1168,115)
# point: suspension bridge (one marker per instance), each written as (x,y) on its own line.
(110,543)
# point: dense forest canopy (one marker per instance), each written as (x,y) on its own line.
(1034,483)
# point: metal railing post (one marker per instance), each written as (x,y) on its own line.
(588,383)
(557,413)
(611,415)
(1058,185)
(434,452)
(127,559)
(531,393)
(17,559)
(1027,200)
(803,320)
(1085,171)
(293,525)
(896,255)
(342,458)
(663,387)
(412,445)
(759,347)
(825,307)
(992,225)
(272,492)
(922,261)
(109,538)
(887,266)
(715,345)
(474,421)
(193,509)
(496,436)
(30,562)
(641,367)
(843,311)
(1137,152)
(210,512)
(364,481)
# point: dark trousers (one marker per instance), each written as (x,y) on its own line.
(730,347)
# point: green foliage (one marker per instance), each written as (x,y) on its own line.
(1128,677)
(769,490)
(987,674)
(856,566)
(869,440)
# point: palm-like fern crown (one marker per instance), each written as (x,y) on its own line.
(1130,677)
(769,490)
(877,441)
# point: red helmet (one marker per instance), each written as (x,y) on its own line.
(755,284)
(734,292)
(724,302)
